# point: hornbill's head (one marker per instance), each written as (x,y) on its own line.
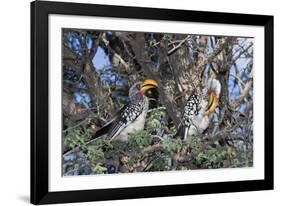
(146,88)
(212,90)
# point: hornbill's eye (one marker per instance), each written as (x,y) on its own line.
(138,86)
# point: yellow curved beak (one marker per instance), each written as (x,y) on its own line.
(148,84)
(213,103)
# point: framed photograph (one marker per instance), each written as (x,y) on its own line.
(133,102)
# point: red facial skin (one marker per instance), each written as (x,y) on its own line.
(139,93)
(210,91)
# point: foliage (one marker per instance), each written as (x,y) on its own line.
(103,156)
(75,137)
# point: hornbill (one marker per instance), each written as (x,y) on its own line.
(132,116)
(198,110)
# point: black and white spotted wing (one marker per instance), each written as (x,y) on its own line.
(191,109)
(129,114)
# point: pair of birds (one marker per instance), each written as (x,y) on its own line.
(196,114)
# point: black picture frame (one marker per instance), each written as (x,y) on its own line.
(39,102)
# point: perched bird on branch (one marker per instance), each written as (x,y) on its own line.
(198,109)
(132,116)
